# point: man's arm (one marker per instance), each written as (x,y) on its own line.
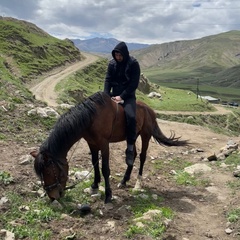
(107,83)
(134,80)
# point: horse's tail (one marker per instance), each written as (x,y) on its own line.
(168,141)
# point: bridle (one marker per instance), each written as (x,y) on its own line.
(57,184)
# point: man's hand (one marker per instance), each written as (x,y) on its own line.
(117,99)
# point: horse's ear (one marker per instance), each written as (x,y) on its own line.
(34,153)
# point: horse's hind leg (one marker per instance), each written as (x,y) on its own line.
(143,155)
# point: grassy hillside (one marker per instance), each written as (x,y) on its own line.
(28,51)
(213,60)
(208,54)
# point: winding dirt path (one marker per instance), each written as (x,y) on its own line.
(45,90)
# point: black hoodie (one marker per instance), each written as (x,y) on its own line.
(122,78)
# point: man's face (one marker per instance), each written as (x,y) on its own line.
(118,56)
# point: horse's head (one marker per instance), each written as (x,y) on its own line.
(52,172)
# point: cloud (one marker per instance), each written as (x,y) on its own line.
(145,21)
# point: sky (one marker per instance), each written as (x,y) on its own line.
(132,21)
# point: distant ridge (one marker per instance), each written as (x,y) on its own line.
(103,45)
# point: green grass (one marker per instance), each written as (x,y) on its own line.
(31,51)
(181,177)
(198,85)
(26,214)
(83,83)
(233,216)
(233,159)
(24,217)
(5,178)
(222,124)
(153,227)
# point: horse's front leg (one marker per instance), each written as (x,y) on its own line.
(97,176)
(106,173)
(127,174)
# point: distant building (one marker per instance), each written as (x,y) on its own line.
(210,99)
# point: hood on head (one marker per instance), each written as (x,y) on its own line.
(123,49)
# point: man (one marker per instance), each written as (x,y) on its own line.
(121,82)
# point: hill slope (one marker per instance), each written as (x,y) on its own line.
(220,51)
(27,50)
(209,59)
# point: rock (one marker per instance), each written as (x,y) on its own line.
(140,225)
(236,173)
(66,106)
(149,215)
(3,200)
(173,172)
(228,230)
(26,159)
(24,208)
(154,94)
(84,209)
(83,175)
(212,158)
(43,112)
(155,196)
(221,156)
(57,204)
(197,168)
(7,235)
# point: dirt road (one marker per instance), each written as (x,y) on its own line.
(45,90)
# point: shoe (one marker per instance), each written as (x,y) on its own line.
(129,157)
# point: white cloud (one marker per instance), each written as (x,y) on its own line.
(145,21)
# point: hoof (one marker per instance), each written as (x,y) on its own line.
(122,185)
(94,191)
(108,206)
(108,201)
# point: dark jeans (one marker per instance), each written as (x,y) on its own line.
(130,113)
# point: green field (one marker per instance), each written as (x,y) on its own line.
(197,85)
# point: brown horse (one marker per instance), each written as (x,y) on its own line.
(100,121)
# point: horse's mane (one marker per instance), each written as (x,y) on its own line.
(69,127)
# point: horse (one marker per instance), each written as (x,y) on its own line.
(100,121)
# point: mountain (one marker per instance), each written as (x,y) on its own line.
(221,50)
(103,45)
(214,59)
